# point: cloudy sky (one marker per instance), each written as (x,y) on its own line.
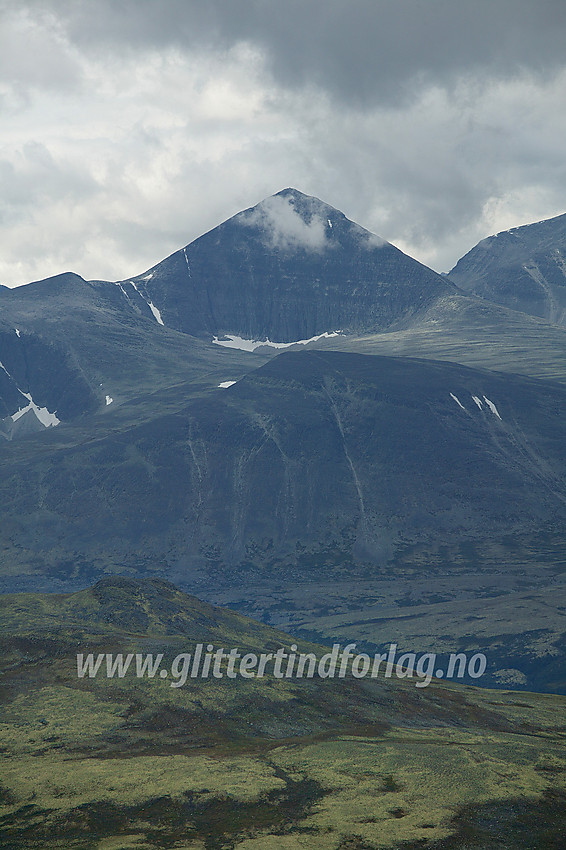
(130,127)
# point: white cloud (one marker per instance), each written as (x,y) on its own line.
(125,139)
(35,54)
(436,176)
(286,228)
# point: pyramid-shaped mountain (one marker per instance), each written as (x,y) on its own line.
(523,268)
(288,269)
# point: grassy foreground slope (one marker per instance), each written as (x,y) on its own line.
(127,763)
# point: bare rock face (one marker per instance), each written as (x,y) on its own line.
(523,268)
(317,457)
(288,269)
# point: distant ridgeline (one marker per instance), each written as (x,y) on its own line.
(289,397)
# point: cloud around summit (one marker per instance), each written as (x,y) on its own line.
(285,228)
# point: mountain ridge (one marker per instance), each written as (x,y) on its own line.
(523,268)
(290,268)
(345,455)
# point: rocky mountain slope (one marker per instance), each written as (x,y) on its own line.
(288,269)
(291,268)
(162,431)
(523,268)
(312,452)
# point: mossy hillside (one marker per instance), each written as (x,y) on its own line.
(407,787)
(338,764)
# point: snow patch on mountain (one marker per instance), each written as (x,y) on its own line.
(187,261)
(492,407)
(46,418)
(479,403)
(155,311)
(457,400)
(231,341)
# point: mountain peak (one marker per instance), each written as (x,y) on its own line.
(523,268)
(292,221)
(300,200)
(303,203)
(54,285)
(291,192)
(290,268)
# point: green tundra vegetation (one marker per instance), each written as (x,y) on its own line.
(255,764)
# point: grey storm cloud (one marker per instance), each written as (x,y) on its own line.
(357,50)
(130,127)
